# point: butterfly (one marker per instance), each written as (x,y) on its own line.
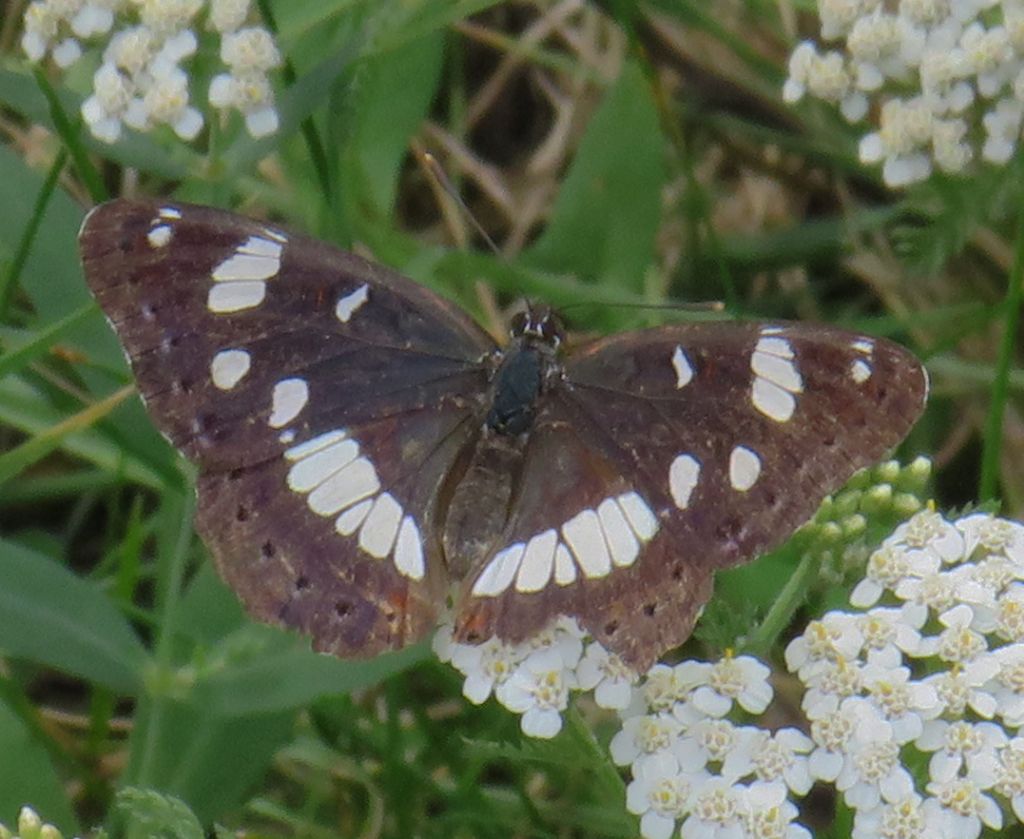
(369,457)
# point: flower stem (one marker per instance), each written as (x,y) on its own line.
(993,437)
(763,638)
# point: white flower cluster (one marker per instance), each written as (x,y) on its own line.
(691,764)
(141,81)
(534,678)
(946,76)
(931,665)
(30,826)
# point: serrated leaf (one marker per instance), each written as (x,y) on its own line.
(148,814)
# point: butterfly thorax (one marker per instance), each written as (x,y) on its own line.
(483,495)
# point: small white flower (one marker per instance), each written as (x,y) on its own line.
(965,687)
(958,743)
(772,758)
(1007,688)
(131,50)
(661,794)
(485,666)
(67,52)
(644,735)
(836,636)
(829,684)
(959,643)
(228,15)
(718,811)
(605,674)
(250,50)
(663,688)
(708,741)
(927,532)
(874,772)
(832,736)
(770,815)
(166,101)
(96,17)
(908,818)
(965,807)
(902,702)
(167,17)
(103,111)
(1010,775)
(539,690)
(989,535)
(741,679)
(1008,614)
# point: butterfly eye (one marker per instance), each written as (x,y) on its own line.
(520,322)
(551,328)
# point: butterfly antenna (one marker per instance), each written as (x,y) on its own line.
(442,180)
(700,307)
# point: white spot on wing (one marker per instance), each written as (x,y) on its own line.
(289,398)
(225,298)
(583,534)
(641,518)
(409,550)
(245,266)
(170,213)
(379,531)
(500,572)
(348,522)
(773,401)
(682,479)
(276,235)
(314,444)
(565,568)
(683,368)
(336,478)
(863,345)
(229,367)
(319,465)
(744,468)
(159,236)
(348,304)
(622,542)
(353,483)
(860,371)
(775,346)
(781,371)
(538,562)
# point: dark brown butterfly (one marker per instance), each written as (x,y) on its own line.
(368,454)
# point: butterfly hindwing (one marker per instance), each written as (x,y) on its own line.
(323,397)
(703,444)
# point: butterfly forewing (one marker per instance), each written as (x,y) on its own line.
(323,397)
(720,439)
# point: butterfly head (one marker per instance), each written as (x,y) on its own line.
(538,324)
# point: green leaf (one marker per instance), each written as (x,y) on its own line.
(210,762)
(52,617)
(148,814)
(247,668)
(280,672)
(391,97)
(26,408)
(607,213)
(27,776)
